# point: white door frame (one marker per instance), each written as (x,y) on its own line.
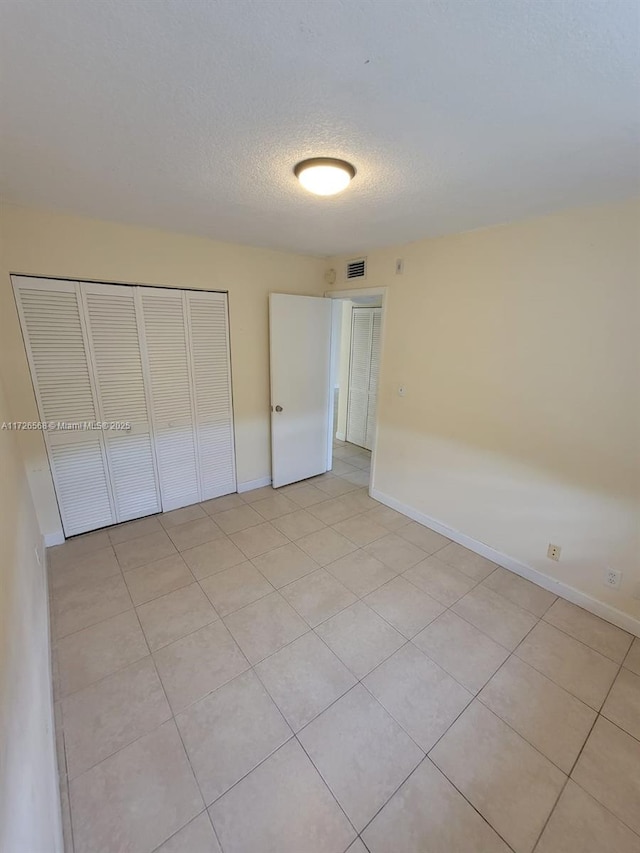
(354,293)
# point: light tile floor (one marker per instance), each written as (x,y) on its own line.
(308,671)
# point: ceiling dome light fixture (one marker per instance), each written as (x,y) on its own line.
(324,175)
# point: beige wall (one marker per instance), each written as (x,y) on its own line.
(40,243)
(519,347)
(29,805)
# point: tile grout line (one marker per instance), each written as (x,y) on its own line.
(598,712)
(587,645)
(468,705)
(420,763)
(219,617)
(174,834)
(156,515)
(150,731)
(506,722)
(359,681)
(567,775)
(295,737)
(294,734)
(177,728)
(63,773)
(222,618)
(539,618)
(252,667)
(511,652)
(326,784)
(276,589)
(573,766)
(104,678)
(98,621)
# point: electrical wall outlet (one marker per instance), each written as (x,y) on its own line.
(612,577)
(553,552)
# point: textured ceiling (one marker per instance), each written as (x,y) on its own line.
(190,114)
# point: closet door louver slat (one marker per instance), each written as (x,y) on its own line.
(170,393)
(117,364)
(209,336)
(51,316)
(80,478)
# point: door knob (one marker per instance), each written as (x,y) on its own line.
(278,408)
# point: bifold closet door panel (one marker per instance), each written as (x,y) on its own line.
(166,343)
(119,378)
(55,338)
(211,372)
(374,376)
(154,358)
(359,367)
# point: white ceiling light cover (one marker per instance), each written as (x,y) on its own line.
(324,175)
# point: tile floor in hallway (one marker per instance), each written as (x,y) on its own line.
(308,671)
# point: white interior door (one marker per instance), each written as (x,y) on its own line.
(363,376)
(359,368)
(300,347)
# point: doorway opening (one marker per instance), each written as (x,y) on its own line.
(356,334)
(324,386)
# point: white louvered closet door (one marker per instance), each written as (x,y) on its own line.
(359,367)
(364,368)
(207,321)
(119,378)
(55,337)
(173,417)
(374,376)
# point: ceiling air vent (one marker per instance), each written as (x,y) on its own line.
(357,268)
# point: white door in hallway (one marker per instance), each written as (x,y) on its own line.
(363,376)
(300,348)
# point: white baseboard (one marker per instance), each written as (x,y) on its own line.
(250,485)
(56,538)
(58,818)
(341,436)
(564,590)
